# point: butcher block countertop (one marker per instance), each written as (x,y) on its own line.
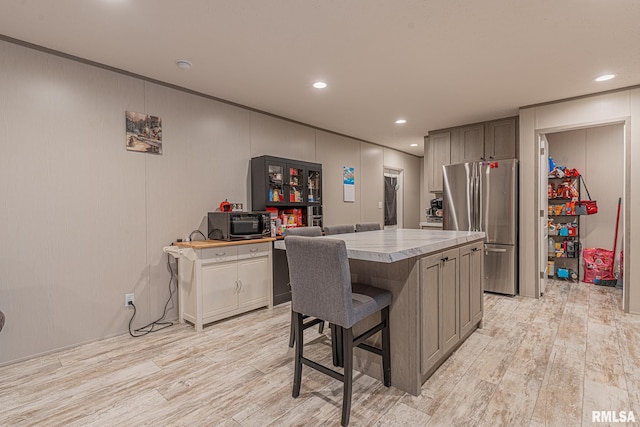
(203,244)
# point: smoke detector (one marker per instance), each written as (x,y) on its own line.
(183,64)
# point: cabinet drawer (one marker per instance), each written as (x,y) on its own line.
(222,254)
(253,251)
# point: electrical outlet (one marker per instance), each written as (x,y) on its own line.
(128,298)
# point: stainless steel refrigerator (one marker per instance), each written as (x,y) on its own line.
(483,196)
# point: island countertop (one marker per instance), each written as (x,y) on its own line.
(393,245)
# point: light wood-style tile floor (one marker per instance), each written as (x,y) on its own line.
(536,362)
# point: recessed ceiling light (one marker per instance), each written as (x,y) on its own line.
(183,64)
(401,121)
(605,77)
(414,145)
(319,85)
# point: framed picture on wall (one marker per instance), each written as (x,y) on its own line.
(144,133)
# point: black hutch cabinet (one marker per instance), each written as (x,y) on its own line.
(291,190)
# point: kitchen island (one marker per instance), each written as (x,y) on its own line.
(436,280)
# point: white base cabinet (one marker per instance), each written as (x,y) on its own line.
(225,281)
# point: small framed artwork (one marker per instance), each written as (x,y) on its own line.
(144,133)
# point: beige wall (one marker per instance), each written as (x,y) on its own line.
(616,107)
(371,157)
(83,221)
(337,152)
(275,137)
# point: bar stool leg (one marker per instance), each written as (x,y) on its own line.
(292,337)
(337,345)
(386,347)
(334,343)
(292,332)
(347,359)
(297,374)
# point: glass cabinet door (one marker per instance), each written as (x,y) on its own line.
(313,186)
(296,184)
(276,183)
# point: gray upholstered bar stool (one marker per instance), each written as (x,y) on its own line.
(338,229)
(367,226)
(304,231)
(308,232)
(321,287)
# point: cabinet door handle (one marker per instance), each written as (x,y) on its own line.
(475,249)
(240,288)
(445,259)
(237,287)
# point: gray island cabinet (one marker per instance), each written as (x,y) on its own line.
(436,280)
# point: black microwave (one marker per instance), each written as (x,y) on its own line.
(239,225)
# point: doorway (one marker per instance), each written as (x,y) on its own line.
(543,202)
(393,198)
(598,153)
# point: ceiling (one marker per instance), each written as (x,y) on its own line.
(435,63)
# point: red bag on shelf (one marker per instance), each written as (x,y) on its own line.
(586,207)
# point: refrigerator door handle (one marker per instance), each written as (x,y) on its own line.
(494,250)
(478,195)
(475,200)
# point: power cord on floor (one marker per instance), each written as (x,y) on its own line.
(159,324)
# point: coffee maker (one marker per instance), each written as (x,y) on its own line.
(434,213)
